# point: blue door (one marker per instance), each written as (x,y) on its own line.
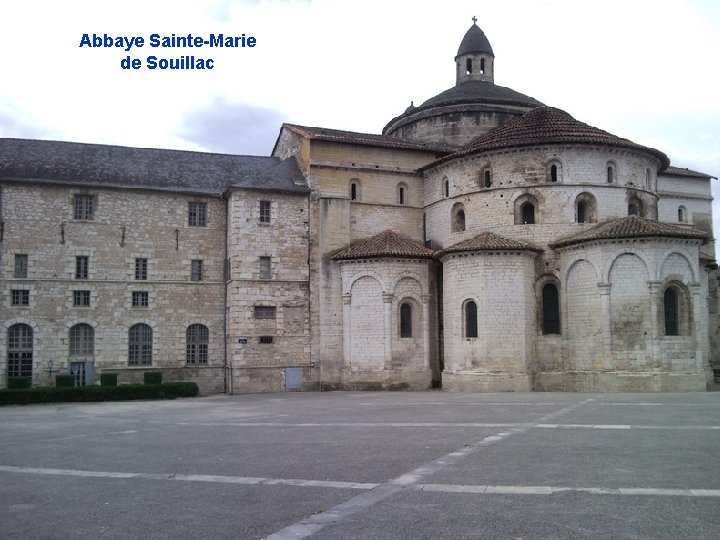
(293,379)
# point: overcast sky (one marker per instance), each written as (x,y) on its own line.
(643,70)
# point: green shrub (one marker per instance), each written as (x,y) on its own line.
(152,377)
(19,382)
(48,394)
(108,379)
(64,381)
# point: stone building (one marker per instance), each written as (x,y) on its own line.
(483,241)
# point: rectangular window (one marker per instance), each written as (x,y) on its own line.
(264,211)
(139,299)
(21,266)
(81,267)
(81,298)
(197,214)
(266,340)
(141,269)
(196,270)
(20,297)
(83,207)
(265,312)
(265,263)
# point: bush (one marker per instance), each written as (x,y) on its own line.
(64,381)
(152,377)
(48,394)
(108,379)
(19,382)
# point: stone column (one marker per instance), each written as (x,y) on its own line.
(347,334)
(426,329)
(655,331)
(608,363)
(698,330)
(387,312)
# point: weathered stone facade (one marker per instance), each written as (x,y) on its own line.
(483,242)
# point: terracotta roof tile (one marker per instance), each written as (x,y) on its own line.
(366,139)
(385,244)
(547,125)
(630,227)
(488,241)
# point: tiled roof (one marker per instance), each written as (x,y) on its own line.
(81,164)
(547,125)
(630,227)
(677,171)
(365,139)
(475,42)
(385,244)
(488,241)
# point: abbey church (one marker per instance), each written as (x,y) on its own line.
(482,242)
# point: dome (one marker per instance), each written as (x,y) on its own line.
(481,91)
(474,42)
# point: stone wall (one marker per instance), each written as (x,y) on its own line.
(126,225)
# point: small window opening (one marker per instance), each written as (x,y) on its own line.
(353,191)
(266,340)
(550,309)
(401,195)
(527,213)
(582,212)
(610,174)
(670,301)
(482,65)
(447,189)
(682,214)
(553,173)
(487,178)
(405,320)
(468,66)
(471,325)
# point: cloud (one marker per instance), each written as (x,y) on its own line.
(232,128)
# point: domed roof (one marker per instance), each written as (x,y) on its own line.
(481,91)
(548,125)
(475,42)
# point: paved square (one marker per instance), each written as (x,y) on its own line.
(365,465)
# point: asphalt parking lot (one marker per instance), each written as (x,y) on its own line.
(365,465)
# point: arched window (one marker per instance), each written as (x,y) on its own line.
(486,177)
(670,308)
(553,171)
(582,212)
(471,319)
(550,309)
(482,65)
(20,351)
(527,213)
(468,66)
(354,191)
(446,188)
(405,320)
(82,341)
(458,218)
(197,339)
(611,172)
(140,345)
(401,193)
(585,208)
(682,214)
